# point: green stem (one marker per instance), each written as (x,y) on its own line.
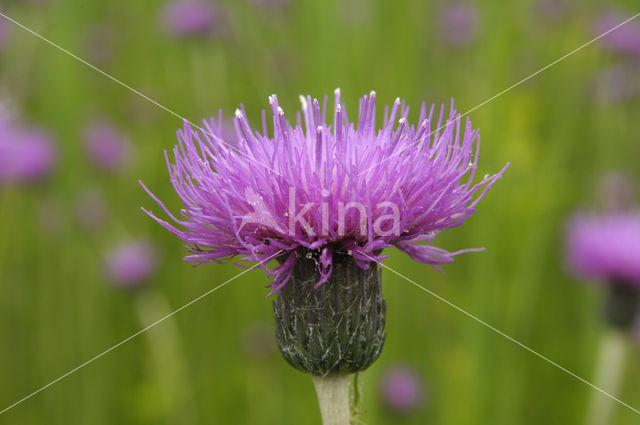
(609,372)
(333,398)
(167,358)
(356,399)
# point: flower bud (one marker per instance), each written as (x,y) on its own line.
(335,328)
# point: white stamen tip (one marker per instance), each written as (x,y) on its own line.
(238,113)
(402,120)
(280,111)
(373,93)
(397,100)
(271,99)
(337,91)
(338,108)
(303,101)
(319,129)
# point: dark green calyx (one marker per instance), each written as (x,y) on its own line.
(621,305)
(335,328)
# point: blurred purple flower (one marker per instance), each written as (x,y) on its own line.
(91,210)
(27,154)
(188,18)
(130,263)
(402,390)
(106,145)
(625,39)
(458,24)
(400,183)
(617,83)
(605,247)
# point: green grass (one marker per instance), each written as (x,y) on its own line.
(56,310)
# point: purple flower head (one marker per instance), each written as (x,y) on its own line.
(605,247)
(459,24)
(188,18)
(27,155)
(402,390)
(227,130)
(327,187)
(106,146)
(625,39)
(130,263)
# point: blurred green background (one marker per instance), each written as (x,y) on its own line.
(214,362)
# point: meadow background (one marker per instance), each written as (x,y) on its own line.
(215,362)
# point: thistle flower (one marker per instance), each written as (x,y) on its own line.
(458,24)
(402,389)
(106,146)
(607,248)
(27,154)
(625,39)
(130,263)
(326,199)
(316,191)
(190,18)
